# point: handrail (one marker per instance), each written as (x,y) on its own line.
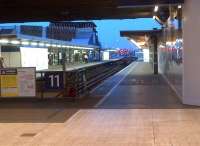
(81,81)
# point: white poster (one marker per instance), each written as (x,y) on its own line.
(26,82)
(34,57)
(106,55)
(146,55)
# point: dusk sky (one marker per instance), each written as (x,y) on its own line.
(109,30)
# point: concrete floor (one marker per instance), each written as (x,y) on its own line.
(137,109)
(109,127)
(137,88)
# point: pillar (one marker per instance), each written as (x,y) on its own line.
(155,45)
(191,58)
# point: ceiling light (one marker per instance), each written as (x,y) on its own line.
(156,8)
(15,42)
(48,45)
(41,44)
(141,43)
(134,42)
(25,43)
(64,46)
(34,43)
(4,41)
(54,45)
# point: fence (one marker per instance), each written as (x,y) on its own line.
(74,84)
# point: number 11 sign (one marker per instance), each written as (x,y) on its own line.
(54,80)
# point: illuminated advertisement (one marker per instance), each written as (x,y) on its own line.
(34,57)
(146,55)
(106,55)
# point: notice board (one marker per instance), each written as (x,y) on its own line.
(9,87)
(26,82)
(18,82)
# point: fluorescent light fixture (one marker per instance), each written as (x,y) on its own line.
(54,45)
(141,43)
(134,42)
(15,42)
(41,44)
(34,43)
(48,45)
(4,41)
(25,43)
(156,8)
(179,6)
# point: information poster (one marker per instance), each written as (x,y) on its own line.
(9,85)
(26,82)
(18,82)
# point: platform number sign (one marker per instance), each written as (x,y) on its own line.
(54,80)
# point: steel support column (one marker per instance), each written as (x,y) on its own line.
(155,43)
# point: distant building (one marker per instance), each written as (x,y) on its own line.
(76,32)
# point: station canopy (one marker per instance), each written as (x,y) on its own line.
(140,37)
(63,10)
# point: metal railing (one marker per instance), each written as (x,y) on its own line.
(79,82)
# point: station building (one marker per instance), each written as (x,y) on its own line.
(48,48)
